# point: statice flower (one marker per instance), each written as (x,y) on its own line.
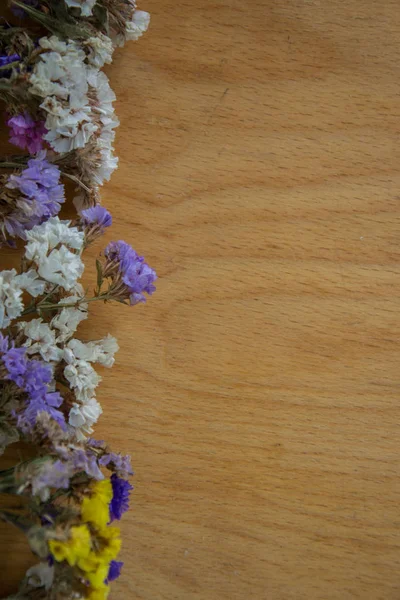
(40,339)
(26,133)
(51,247)
(79,458)
(119,463)
(16,363)
(12,287)
(85,461)
(92,442)
(138,25)
(100,50)
(96,216)
(94,221)
(42,193)
(131,276)
(52,475)
(114,571)
(120,500)
(35,379)
(59,77)
(66,321)
(82,417)
(41,575)
(85,6)
(99,351)
(134,28)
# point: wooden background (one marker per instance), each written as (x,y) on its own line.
(258,391)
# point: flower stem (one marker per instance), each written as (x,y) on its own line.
(42,306)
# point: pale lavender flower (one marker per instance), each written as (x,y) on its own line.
(94,221)
(26,133)
(39,183)
(135,275)
(40,197)
(52,475)
(85,461)
(96,215)
(118,463)
(96,443)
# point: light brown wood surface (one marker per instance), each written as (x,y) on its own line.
(258,390)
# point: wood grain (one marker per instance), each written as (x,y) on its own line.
(258,391)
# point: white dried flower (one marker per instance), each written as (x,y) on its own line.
(41,340)
(83,417)
(67,137)
(61,267)
(48,246)
(85,6)
(81,376)
(60,78)
(134,28)
(11,290)
(30,282)
(48,235)
(68,319)
(101,351)
(99,50)
(138,26)
(41,575)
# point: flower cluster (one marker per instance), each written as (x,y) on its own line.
(59,107)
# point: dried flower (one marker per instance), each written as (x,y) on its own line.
(130,275)
(120,500)
(26,133)
(85,6)
(116,462)
(94,221)
(114,571)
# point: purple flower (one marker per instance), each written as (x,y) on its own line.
(39,182)
(33,377)
(118,463)
(114,571)
(120,500)
(97,215)
(85,461)
(137,277)
(26,133)
(95,443)
(41,195)
(7,59)
(41,401)
(16,364)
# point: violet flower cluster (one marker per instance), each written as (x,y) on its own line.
(60,116)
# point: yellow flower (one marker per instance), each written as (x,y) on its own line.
(75,548)
(97,563)
(99,593)
(95,569)
(111,537)
(95,508)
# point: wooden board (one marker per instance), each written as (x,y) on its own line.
(258,391)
